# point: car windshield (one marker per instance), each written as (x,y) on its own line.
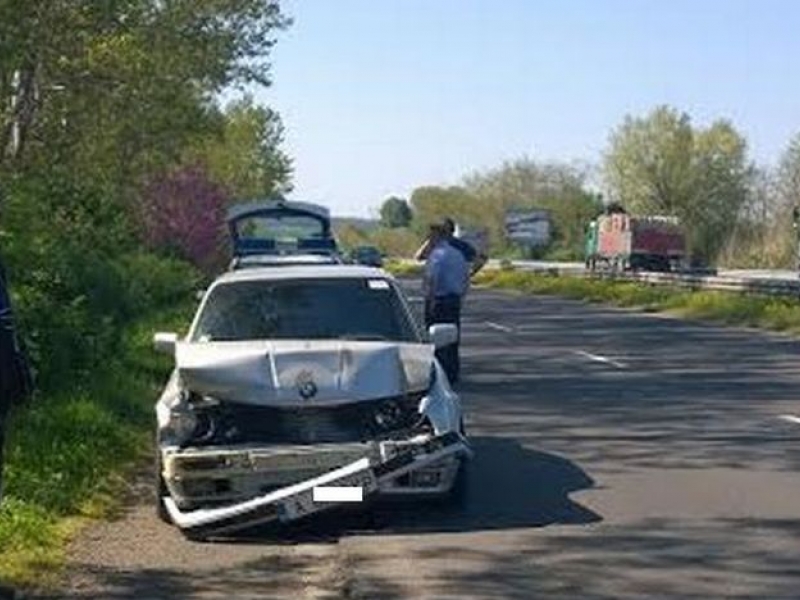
(319,309)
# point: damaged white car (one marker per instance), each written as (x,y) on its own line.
(296,379)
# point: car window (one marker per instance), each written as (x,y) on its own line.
(281,228)
(357,308)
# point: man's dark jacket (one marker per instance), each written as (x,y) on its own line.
(16,382)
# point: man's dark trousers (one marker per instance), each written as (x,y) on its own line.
(446,309)
(6,372)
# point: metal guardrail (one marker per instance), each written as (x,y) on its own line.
(771,286)
(755,285)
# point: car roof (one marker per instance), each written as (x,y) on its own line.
(254,273)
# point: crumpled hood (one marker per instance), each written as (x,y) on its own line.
(302,373)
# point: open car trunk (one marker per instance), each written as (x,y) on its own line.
(279,227)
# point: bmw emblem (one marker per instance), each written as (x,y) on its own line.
(306,386)
(308,390)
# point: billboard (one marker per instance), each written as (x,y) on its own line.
(529,227)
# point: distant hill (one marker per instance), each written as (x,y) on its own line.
(366,225)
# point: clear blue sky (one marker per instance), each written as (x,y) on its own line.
(381,96)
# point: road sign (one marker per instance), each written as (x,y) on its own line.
(529,227)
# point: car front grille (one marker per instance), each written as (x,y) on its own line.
(236,423)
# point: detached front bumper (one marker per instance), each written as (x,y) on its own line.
(419,467)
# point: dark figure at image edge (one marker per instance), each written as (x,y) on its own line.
(16,384)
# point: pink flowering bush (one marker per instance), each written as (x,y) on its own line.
(183,214)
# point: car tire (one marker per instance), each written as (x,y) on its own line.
(161,492)
(195,537)
(458,495)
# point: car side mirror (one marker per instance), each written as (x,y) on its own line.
(165,342)
(443,334)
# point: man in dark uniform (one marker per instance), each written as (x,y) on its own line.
(15,384)
(445,281)
(475,258)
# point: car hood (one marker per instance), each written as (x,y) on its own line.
(302,373)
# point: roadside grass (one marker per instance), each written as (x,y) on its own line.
(751,310)
(403,269)
(68,453)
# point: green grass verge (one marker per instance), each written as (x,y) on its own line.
(403,269)
(752,310)
(68,453)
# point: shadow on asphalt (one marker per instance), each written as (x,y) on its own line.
(689,395)
(655,558)
(508,487)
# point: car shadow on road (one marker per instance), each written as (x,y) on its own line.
(508,486)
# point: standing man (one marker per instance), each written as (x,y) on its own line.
(15,385)
(445,282)
(476,259)
(15,376)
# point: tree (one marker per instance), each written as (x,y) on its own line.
(100,104)
(245,156)
(788,184)
(183,213)
(395,212)
(431,204)
(789,173)
(763,236)
(134,78)
(525,183)
(350,236)
(661,164)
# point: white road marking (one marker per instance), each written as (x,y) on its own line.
(333,493)
(602,359)
(790,418)
(498,327)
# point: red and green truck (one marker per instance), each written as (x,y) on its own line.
(620,241)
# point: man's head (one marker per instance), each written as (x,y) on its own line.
(437,232)
(449,226)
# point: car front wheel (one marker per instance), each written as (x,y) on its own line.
(161,491)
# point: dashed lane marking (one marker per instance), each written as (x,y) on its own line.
(602,359)
(498,327)
(790,419)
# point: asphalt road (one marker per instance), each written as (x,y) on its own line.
(619,455)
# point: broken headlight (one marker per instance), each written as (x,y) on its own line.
(182,423)
(192,420)
(393,414)
(389,415)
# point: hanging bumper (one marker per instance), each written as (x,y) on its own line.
(296,502)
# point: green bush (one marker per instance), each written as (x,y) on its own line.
(77,276)
(67,446)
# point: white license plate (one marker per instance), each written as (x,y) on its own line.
(303,504)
